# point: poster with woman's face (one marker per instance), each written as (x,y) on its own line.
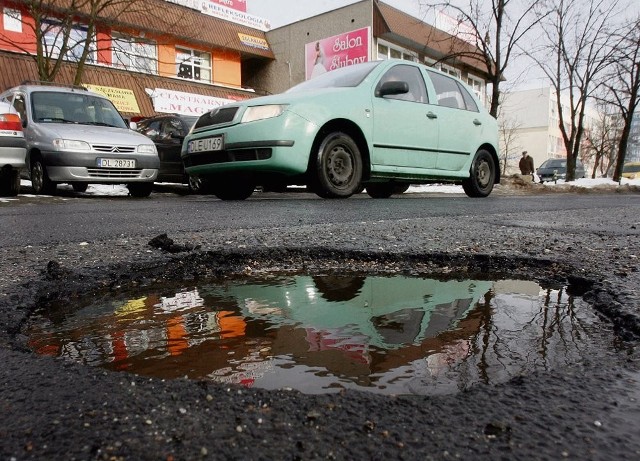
(338,51)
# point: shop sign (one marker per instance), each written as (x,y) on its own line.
(229,10)
(338,51)
(123,99)
(178,102)
(254,42)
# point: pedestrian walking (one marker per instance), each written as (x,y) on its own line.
(526,164)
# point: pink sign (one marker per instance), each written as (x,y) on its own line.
(338,51)
(239,5)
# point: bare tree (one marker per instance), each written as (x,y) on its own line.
(64,31)
(623,85)
(578,45)
(509,146)
(599,147)
(496,32)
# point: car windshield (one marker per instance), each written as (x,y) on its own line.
(76,108)
(631,168)
(344,77)
(555,163)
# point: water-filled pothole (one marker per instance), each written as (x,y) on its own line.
(318,334)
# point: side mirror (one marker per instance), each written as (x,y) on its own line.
(392,88)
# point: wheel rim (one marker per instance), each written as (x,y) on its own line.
(339,166)
(37,176)
(483,173)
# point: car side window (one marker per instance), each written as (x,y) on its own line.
(450,93)
(20,106)
(413,77)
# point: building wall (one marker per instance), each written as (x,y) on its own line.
(288,44)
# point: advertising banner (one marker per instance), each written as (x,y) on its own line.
(229,10)
(123,99)
(239,5)
(178,102)
(338,51)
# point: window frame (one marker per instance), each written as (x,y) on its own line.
(190,62)
(135,54)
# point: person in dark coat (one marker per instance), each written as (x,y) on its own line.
(526,164)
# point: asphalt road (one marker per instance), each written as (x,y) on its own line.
(63,247)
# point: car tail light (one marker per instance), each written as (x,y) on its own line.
(10,122)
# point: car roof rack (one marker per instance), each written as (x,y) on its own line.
(60,85)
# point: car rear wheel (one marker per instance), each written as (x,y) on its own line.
(481,176)
(338,165)
(40,179)
(80,186)
(235,187)
(380,190)
(140,189)
(195,184)
(9,183)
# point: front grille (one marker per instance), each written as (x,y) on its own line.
(241,155)
(216,117)
(112,173)
(111,149)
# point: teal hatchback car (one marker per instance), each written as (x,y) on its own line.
(379,125)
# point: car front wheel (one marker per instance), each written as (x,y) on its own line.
(40,179)
(338,167)
(481,175)
(140,189)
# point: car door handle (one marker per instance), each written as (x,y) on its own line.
(477,122)
(431,115)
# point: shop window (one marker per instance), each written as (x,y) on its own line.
(193,65)
(134,54)
(53,32)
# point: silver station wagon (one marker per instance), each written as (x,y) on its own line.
(380,125)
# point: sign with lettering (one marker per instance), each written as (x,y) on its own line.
(178,102)
(254,42)
(123,99)
(229,10)
(338,51)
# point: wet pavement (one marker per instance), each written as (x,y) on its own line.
(584,408)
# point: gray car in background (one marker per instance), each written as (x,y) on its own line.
(556,169)
(78,137)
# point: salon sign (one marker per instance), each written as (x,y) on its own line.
(338,51)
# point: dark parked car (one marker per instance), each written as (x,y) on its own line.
(556,169)
(168,132)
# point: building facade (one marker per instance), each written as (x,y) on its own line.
(529,121)
(151,56)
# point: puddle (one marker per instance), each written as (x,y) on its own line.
(321,334)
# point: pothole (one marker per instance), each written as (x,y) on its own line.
(323,333)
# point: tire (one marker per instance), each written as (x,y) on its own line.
(40,179)
(482,175)
(195,184)
(9,183)
(80,186)
(338,167)
(399,189)
(236,187)
(380,190)
(140,189)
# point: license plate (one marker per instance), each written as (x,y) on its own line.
(116,163)
(206,144)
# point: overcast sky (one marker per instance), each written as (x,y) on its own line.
(281,12)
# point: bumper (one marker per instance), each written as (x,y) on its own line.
(14,157)
(278,145)
(74,166)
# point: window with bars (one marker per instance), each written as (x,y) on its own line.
(193,65)
(133,53)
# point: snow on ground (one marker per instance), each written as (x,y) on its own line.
(121,190)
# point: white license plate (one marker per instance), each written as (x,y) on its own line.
(116,163)
(206,144)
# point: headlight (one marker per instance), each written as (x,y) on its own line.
(147,149)
(71,145)
(262,112)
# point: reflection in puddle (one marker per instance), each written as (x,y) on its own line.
(393,335)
